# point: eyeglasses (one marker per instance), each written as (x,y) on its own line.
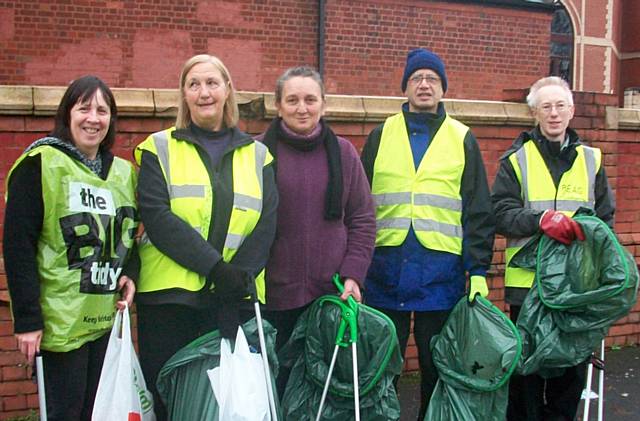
(560,107)
(431,80)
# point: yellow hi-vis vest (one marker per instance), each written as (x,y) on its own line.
(427,199)
(88,230)
(191,198)
(538,191)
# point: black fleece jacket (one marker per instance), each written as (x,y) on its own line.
(178,240)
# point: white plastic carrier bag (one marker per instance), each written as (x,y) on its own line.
(122,392)
(239,383)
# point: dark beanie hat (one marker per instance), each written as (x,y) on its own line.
(423,59)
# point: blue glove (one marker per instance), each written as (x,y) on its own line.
(478,285)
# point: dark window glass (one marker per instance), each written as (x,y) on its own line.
(561,46)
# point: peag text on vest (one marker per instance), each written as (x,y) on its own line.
(98,237)
(572,189)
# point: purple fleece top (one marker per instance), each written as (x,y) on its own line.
(308,249)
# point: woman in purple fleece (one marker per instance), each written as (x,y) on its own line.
(326,220)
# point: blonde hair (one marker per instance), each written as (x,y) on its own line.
(532,98)
(230,112)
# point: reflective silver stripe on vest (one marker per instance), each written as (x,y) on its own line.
(430,225)
(261,157)
(561,205)
(426,199)
(517,242)
(571,205)
(521,157)
(187,190)
(384,199)
(590,162)
(233,241)
(175,191)
(246,202)
(540,205)
(162,149)
(393,223)
(420,199)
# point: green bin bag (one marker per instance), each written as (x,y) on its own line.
(475,354)
(579,291)
(183,383)
(379,360)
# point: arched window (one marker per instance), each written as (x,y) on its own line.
(561,46)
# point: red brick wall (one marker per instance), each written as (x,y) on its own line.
(485,49)
(144,43)
(621,153)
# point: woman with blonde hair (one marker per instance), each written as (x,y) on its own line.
(208,201)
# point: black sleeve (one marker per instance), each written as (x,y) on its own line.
(170,234)
(478,224)
(24,214)
(512,218)
(253,254)
(132,266)
(370,151)
(605,203)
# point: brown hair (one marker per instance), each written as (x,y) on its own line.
(83,90)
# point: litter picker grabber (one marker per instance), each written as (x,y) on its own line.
(263,353)
(42,399)
(586,393)
(349,317)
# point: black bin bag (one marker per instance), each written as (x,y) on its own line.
(579,291)
(475,354)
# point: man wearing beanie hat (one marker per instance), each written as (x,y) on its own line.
(434,221)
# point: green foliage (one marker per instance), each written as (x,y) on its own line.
(33,416)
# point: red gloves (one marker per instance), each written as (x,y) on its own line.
(560,227)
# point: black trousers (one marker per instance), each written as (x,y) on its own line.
(533,398)
(162,331)
(71,380)
(426,324)
(284,321)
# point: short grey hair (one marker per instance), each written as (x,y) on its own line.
(532,98)
(299,71)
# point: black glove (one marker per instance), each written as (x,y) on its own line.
(228,317)
(230,280)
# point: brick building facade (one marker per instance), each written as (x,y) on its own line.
(492,49)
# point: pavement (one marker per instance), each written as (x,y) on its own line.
(621,389)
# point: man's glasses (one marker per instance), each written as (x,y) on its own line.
(560,107)
(431,80)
